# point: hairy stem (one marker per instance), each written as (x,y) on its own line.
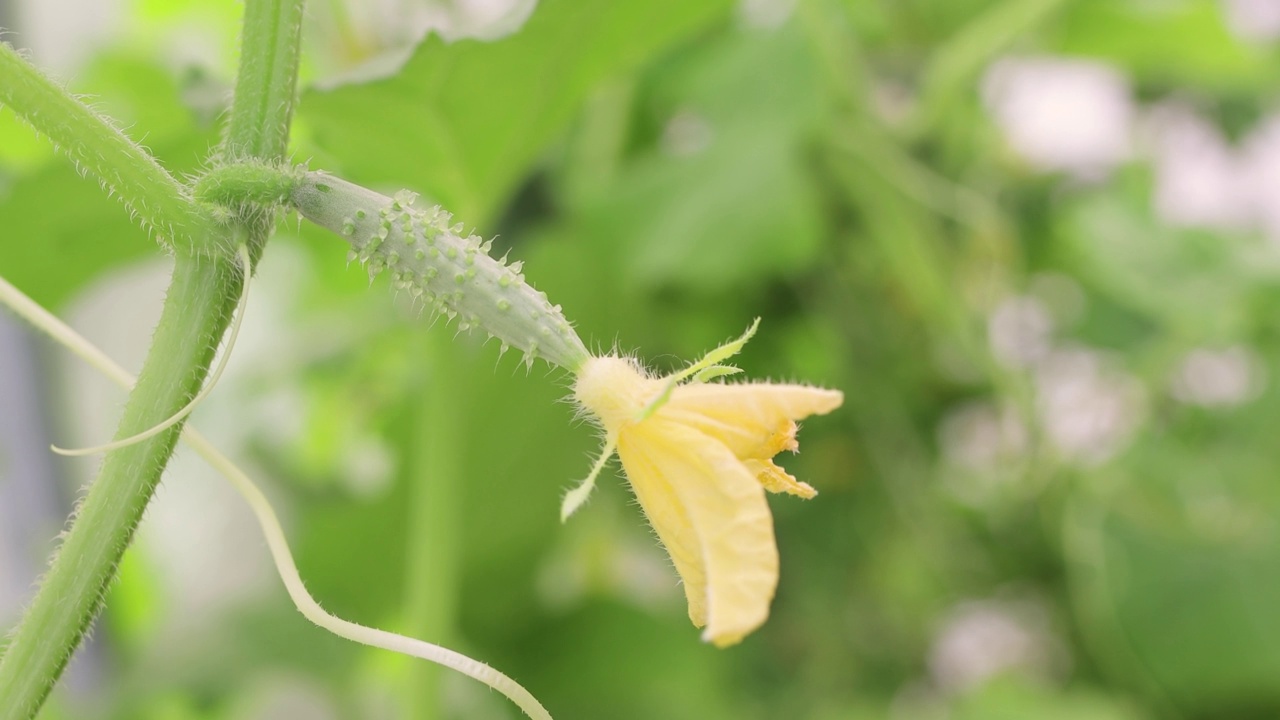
(202,294)
(190,407)
(201,297)
(228,186)
(98,148)
(267,81)
(262,110)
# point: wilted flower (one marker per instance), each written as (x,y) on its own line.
(699,456)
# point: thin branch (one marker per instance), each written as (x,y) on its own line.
(98,148)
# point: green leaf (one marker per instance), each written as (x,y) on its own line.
(1177,567)
(1196,282)
(463,122)
(1180,42)
(725,198)
(1015,698)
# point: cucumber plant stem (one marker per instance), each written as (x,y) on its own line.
(202,294)
(266,82)
(156,200)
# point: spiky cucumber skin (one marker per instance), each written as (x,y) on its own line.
(449,272)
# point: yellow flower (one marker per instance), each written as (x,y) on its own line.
(699,457)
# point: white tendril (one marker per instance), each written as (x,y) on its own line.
(177,417)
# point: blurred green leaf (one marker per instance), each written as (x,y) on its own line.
(722,198)
(1196,283)
(1013,698)
(957,63)
(1167,43)
(1184,566)
(463,122)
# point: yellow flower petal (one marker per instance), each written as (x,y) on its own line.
(775,479)
(755,420)
(710,513)
(699,458)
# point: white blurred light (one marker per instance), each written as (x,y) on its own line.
(687,133)
(1061,114)
(370,39)
(481,19)
(62,34)
(987,638)
(1078,117)
(1019,330)
(979,436)
(1260,175)
(13,584)
(1202,181)
(368,466)
(1088,411)
(1199,182)
(982,449)
(279,696)
(1255,20)
(1218,378)
(397,21)
(767,14)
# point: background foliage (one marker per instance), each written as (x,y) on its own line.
(1034,241)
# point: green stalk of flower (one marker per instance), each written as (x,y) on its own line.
(441,266)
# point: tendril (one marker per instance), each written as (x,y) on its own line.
(195,401)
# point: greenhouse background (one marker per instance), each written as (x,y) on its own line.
(1035,242)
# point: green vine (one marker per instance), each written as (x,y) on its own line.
(233,191)
(236,205)
(266,82)
(98,148)
(233,205)
(202,294)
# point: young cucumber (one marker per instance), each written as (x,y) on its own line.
(448,271)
